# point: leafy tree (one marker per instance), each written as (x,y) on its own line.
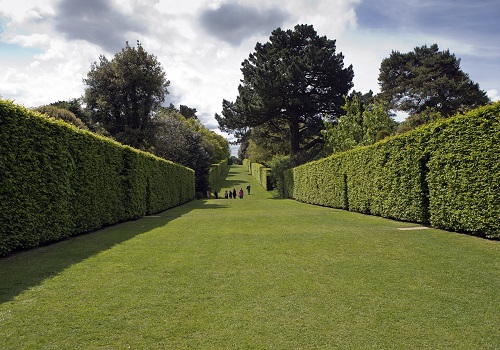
(75,106)
(264,144)
(124,93)
(377,122)
(290,85)
(257,153)
(417,119)
(216,146)
(367,120)
(62,114)
(427,78)
(188,142)
(176,141)
(234,160)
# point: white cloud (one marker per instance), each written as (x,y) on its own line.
(56,74)
(493,95)
(19,10)
(203,69)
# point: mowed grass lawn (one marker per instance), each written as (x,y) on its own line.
(257,273)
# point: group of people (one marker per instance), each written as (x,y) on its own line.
(230,194)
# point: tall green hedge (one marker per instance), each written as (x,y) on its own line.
(464,173)
(247,165)
(57,181)
(260,172)
(328,190)
(445,174)
(217,172)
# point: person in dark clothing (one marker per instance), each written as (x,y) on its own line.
(248,188)
(234,193)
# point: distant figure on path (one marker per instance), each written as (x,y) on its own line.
(230,194)
(208,193)
(248,188)
(226,195)
(234,193)
(241,193)
(216,194)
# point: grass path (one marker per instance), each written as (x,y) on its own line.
(257,273)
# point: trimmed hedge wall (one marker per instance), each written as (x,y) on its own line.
(57,181)
(445,174)
(464,173)
(217,172)
(260,172)
(247,164)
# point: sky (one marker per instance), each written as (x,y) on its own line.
(47,46)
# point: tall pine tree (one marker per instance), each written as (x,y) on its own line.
(428,79)
(290,85)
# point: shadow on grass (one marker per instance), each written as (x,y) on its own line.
(26,269)
(232,181)
(231,184)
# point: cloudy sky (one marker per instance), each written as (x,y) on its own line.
(47,46)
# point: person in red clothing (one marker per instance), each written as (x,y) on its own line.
(241,193)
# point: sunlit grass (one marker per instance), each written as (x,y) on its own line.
(257,273)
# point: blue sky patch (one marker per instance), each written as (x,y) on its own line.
(16,51)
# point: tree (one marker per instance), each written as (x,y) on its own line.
(62,114)
(367,120)
(290,85)
(176,141)
(242,151)
(417,119)
(188,112)
(427,78)
(124,93)
(75,106)
(216,145)
(188,142)
(257,153)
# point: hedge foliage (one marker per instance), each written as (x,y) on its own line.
(464,173)
(247,165)
(260,172)
(445,174)
(57,181)
(217,172)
